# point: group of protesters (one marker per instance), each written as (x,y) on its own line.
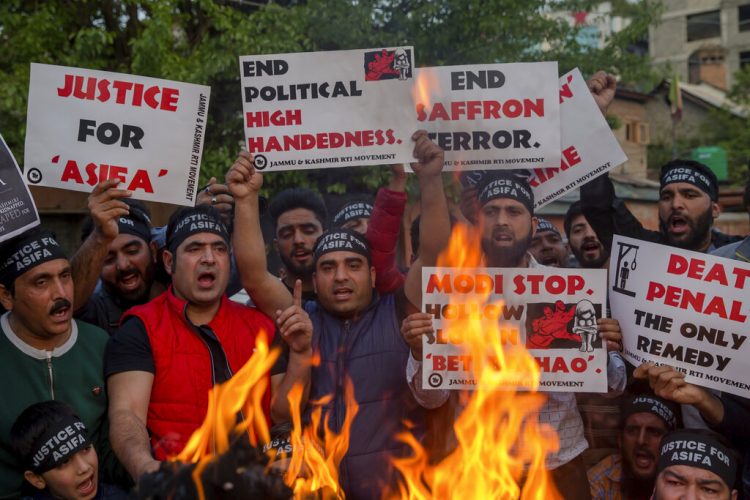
(110,354)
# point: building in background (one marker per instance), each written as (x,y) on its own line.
(706,41)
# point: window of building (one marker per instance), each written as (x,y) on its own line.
(703,25)
(744,59)
(637,132)
(744,17)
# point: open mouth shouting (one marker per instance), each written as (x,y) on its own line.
(61,310)
(129,280)
(342,293)
(87,487)
(678,225)
(206,279)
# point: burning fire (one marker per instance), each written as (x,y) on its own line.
(316,469)
(501,447)
(314,465)
(500,450)
(425,85)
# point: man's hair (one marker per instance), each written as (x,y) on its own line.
(32,423)
(292,198)
(138,212)
(746,196)
(574,211)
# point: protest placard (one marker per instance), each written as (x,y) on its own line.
(328,109)
(685,309)
(85,126)
(17,209)
(589,148)
(490,116)
(551,312)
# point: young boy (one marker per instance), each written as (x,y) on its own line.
(53,447)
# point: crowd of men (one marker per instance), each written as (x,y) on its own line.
(112,352)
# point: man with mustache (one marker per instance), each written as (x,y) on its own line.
(688,195)
(119,252)
(630,474)
(299,216)
(168,353)
(547,246)
(45,353)
(127,268)
(586,247)
(507,223)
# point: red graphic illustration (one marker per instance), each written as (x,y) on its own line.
(381,66)
(554,325)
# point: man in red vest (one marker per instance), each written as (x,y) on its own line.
(170,351)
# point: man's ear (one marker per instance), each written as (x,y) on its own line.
(6,299)
(715,210)
(373,275)
(276,245)
(36,480)
(315,283)
(534,224)
(168,260)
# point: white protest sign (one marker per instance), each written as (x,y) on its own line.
(85,126)
(552,312)
(328,109)
(17,209)
(589,148)
(685,309)
(492,116)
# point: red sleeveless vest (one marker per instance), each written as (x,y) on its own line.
(179,396)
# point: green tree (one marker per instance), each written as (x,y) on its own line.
(199,41)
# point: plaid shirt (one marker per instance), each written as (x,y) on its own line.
(605,478)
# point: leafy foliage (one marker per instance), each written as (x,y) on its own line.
(199,41)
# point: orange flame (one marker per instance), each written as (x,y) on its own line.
(425,84)
(313,470)
(501,447)
(316,469)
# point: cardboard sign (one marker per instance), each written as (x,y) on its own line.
(589,148)
(328,109)
(492,116)
(17,210)
(685,309)
(86,126)
(551,312)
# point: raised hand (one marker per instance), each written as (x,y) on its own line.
(602,87)
(106,206)
(430,158)
(294,323)
(242,179)
(218,196)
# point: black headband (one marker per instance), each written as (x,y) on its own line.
(351,211)
(134,226)
(27,252)
(650,404)
(507,185)
(194,223)
(701,178)
(545,225)
(342,240)
(62,440)
(698,449)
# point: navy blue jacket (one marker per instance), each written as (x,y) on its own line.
(371,351)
